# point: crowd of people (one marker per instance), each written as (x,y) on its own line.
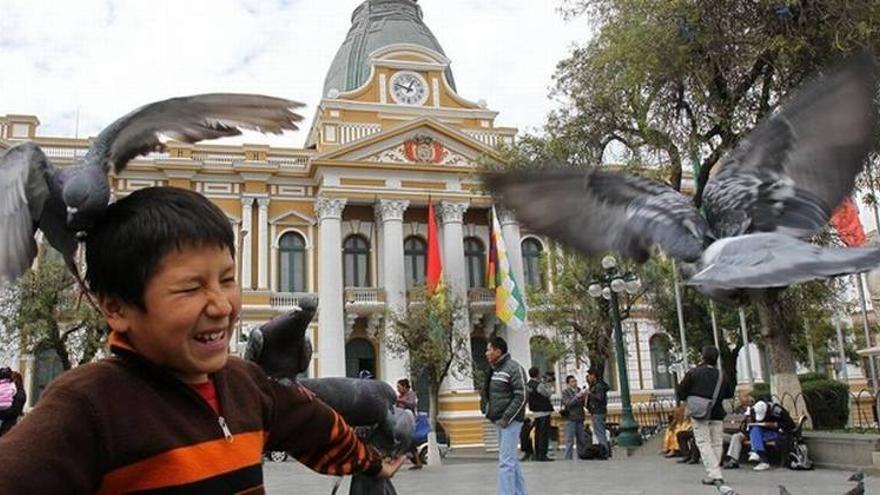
(699,434)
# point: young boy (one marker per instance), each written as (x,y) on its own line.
(171,411)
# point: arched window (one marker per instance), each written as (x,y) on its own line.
(292,263)
(356,261)
(537,344)
(415,259)
(359,355)
(660,361)
(531,256)
(47,366)
(475,261)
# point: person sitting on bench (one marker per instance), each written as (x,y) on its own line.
(767,423)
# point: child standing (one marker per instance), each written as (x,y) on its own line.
(170,410)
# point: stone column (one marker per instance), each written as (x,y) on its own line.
(331,326)
(390,213)
(246,250)
(455,277)
(517,340)
(263,244)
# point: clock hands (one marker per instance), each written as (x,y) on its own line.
(407,88)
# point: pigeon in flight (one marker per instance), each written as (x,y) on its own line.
(65,202)
(771,194)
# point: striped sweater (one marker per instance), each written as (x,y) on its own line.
(123,425)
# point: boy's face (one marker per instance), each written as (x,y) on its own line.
(192,303)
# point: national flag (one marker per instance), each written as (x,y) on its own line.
(509,304)
(492,266)
(434,277)
(845,220)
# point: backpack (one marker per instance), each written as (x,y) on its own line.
(7,393)
(594,451)
(799,456)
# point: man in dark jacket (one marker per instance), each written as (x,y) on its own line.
(708,433)
(539,403)
(573,405)
(504,403)
(597,404)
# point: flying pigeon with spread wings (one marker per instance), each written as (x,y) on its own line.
(773,192)
(64,202)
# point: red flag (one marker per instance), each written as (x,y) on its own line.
(492,266)
(435,266)
(846,222)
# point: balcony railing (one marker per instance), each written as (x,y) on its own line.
(288,300)
(481,297)
(364,296)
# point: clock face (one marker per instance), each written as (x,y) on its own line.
(408,88)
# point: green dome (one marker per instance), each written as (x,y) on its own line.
(376,24)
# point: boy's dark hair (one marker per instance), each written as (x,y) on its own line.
(5,373)
(498,343)
(568,378)
(595,372)
(404,382)
(126,246)
(710,355)
(534,372)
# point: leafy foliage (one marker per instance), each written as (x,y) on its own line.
(428,332)
(676,81)
(577,324)
(44,311)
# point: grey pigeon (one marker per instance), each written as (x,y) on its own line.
(280,346)
(783,490)
(857,476)
(726,490)
(859,489)
(64,203)
(775,190)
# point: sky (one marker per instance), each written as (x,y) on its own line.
(99,59)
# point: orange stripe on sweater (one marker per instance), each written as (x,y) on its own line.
(187,464)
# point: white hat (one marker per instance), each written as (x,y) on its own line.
(760,410)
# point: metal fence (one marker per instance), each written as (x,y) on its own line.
(863,407)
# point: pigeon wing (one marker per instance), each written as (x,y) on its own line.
(777,260)
(24,191)
(794,169)
(189,119)
(603,211)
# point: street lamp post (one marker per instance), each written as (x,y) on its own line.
(608,286)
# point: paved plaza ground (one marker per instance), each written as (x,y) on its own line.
(629,476)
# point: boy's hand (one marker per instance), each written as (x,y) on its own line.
(502,423)
(390,466)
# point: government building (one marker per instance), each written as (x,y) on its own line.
(345,217)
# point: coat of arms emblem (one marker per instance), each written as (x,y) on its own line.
(423,149)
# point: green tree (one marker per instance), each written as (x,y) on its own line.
(429,335)
(579,323)
(45,311)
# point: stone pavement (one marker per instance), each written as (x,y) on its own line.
(628,476)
